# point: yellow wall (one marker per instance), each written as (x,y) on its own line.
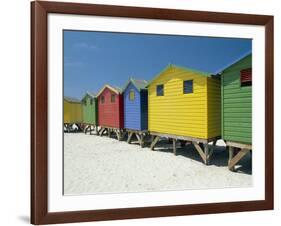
(214,107)
(72,112)
(177,113)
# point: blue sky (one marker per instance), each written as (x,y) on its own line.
(92,59)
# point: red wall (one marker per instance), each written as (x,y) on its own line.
(110,114)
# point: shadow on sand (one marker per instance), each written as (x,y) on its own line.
(219,157)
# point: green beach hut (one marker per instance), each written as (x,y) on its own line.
(236,94)
(89,111)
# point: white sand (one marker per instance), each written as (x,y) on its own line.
(94,164)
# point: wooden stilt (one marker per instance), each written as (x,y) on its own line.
(140,134)
(174,147)
(154,142)
(237,158)
(212,149)
(200,151)
(122,134)
(206,151)
(118,134)
(230,156)
(142,140)
(130,134)
(97,130)
(138,137)
(201,145)
(79,127)
(102,131)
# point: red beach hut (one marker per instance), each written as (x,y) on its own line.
(110,111)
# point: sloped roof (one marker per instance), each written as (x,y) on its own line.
(115,89)
(234,62)
(92,95)
(71,99)
(139,84)
(118,89)
(181,68)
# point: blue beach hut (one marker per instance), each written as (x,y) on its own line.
(135,109)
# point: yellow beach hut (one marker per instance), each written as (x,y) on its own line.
(184,105)
(72,111)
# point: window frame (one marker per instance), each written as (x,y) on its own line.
(134,95)
(163,93)
(102,99)
(183,86)
(247,83)
(112,98)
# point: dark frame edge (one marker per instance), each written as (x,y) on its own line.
(269,112)
(32,173)
(39,135)
(39,106)
(151,212)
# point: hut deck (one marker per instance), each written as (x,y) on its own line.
(140,134)
(204,153)
(234,158)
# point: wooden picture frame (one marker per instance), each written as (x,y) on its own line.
(39,112)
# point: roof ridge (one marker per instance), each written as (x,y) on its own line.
(71,99)
(190,69)
(113,88)
(89,94)
(241,57)
(179,67)
(138,83)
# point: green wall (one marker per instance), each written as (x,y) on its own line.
(89,110)
(236,104)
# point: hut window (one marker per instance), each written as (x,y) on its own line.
(91,102)
(160,90)
(246,77)
(188,86)
(112,98)
(132,95)
(102,99)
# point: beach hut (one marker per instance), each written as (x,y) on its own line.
(135,109)
(89,111)
(72,112)
(236,105)
(110,111)
(184,104)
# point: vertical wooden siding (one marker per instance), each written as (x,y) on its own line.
(72,112)
(132,109)
(236,104)
(214,107)
(89,111)
(177,113)
(110,114)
